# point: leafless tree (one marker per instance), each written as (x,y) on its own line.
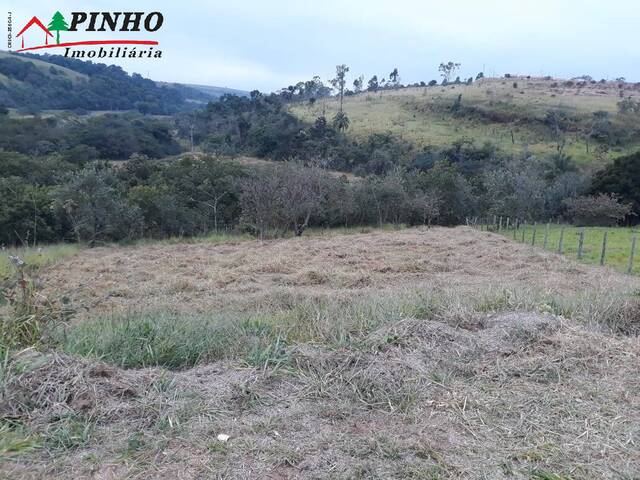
(283,197)
(428,204)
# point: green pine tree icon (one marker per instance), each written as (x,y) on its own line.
(58,24)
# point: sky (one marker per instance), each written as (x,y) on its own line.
(266,45)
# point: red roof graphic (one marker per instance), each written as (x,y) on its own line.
(37,22)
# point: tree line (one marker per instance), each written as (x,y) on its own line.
(56,183)
(48,199)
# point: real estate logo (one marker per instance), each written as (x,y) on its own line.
(117,22)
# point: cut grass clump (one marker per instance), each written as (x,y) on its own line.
(68,432)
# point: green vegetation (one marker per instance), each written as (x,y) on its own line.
(34,257)
(77,140)
(618,246)
(56,190)
(33,83)
(178,341)
(492,111)
(14,440)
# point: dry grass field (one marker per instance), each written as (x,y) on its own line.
(422,115)
(424,354)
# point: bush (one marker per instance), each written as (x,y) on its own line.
(90,201)
(621,178)
(597,210)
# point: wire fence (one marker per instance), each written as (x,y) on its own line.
(612,246)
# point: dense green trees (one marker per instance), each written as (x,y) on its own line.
(77,140)
(106,88)
(603,209)
(194,195)
(90,201)
(621,178)
(56,185)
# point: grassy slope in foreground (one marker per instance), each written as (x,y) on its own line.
(435,354)
(423,116)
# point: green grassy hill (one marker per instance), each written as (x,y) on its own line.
(40,83)
(508,112)
(44,68)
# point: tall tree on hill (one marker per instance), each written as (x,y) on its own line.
(358,84)
(447,70)
(373,85)
(341,121)
(394,78)
(58,24)
(340,81)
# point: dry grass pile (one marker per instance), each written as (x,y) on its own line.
(463,355)
(508,396)
(201,277)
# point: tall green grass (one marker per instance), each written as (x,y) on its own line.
(265,335)
(143,339)
(35,257)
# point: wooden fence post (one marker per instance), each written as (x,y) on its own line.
(500,224)
(604,248)
(580,244)
(533,236)
(632,254)
(546,236)
(508,222)
(561,241)
(523,229)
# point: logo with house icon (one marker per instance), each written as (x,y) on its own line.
(35,30)
(34,24)
(57,24)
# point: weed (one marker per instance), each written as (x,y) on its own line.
(14,440)
(140,340)
(135,443)
(545,475)
(218,447)
(68,432)
(26,321)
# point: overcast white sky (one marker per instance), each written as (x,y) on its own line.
(270,44)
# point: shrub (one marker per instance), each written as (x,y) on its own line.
(621,178)
(597,210)
(90,201)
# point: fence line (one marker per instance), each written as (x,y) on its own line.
(520,230)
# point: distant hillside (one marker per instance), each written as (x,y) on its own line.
(32,83)
(540,115)
(202,94)
(217,92)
